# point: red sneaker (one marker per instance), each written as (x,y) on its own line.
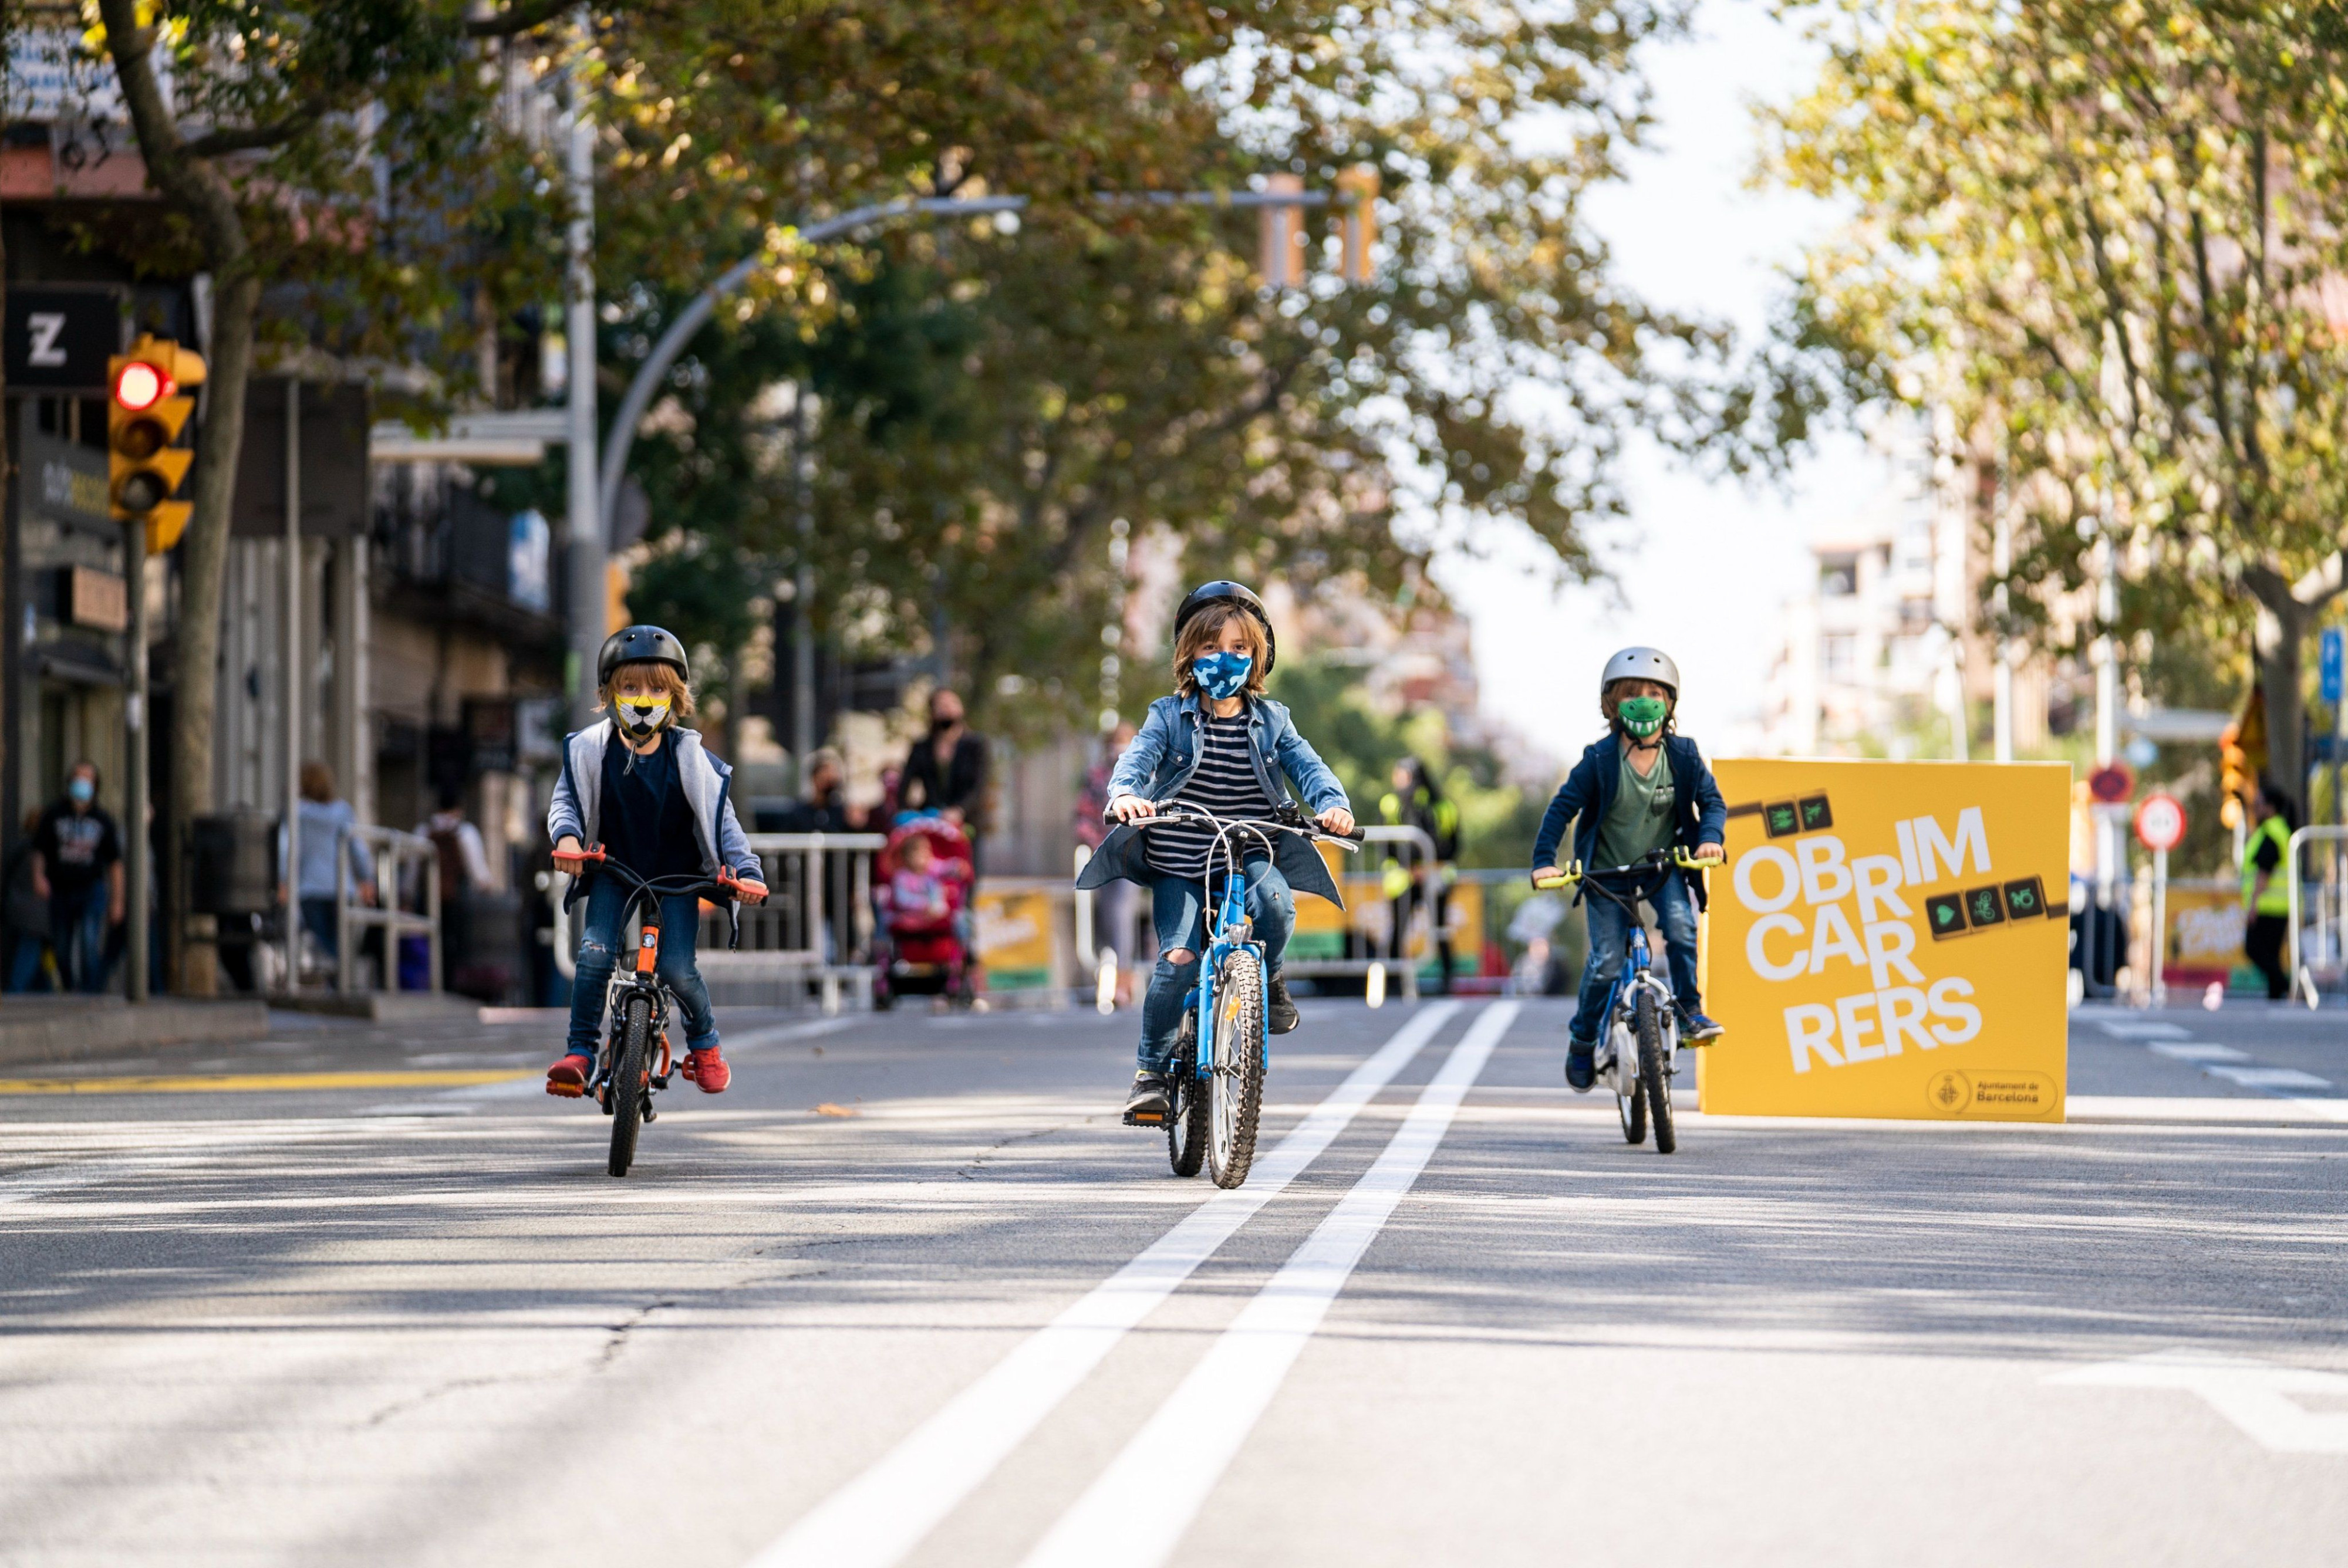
(567,1076)
(708,1070)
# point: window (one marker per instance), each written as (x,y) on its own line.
(1839,575)
(1839,656)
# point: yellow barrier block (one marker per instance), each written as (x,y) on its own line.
(1889,939)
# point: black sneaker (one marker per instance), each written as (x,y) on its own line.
(1151,1102)
(1580,1064)
(1697,1030)
(1278,1011)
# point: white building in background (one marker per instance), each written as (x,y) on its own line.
(1871,659)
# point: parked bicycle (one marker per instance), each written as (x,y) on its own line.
(625,1077)
(1223,1051)
(1639,1041)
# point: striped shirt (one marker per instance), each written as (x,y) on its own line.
(1226,784)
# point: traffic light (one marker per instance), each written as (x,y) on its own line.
(1358,187)
(1279,235)
(144,416)
(2233,776)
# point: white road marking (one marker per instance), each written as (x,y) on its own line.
(2269,1077)
(1136,1514)
(2256,1396)
(2136,1028)
(2194,1050)
(2210,1109)
(881,1515)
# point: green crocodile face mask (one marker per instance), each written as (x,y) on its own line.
(1642,716)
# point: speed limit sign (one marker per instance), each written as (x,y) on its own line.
(2161,822)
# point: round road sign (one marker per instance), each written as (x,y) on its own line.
(2161,822)
(2112,784)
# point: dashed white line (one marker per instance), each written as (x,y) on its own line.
(881,1515)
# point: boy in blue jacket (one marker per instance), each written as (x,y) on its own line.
(647,788)
(1642,788)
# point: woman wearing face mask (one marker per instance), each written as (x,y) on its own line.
(658,801)
(1218,743)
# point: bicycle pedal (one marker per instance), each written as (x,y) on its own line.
(567,1091)
(650,1114)
(1144,1119)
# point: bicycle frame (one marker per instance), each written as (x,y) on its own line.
(646,892)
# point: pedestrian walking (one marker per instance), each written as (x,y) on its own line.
(78,867)
(2265,892)
(1417,799)
(327,826)
(946,770)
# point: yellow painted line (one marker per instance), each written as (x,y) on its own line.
(248,1083)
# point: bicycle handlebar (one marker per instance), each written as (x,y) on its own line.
(1182,811)
(1675,859)
(725,884)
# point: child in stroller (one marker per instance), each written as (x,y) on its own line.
(920,893)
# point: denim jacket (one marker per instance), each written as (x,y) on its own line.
(1159,764)
(1701,816)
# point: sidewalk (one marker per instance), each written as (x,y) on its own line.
(41,1031)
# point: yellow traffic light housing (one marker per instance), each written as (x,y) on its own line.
(144,416)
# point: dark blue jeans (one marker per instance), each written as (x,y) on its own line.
(599,949)
(1609,940)
(78,932)
(1178,911)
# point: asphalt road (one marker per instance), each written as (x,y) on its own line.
(909,1294)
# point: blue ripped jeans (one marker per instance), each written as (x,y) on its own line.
(599,949)
(1180,918)
(1610,940)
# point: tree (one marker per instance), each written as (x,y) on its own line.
(1124,361)
(2104,237)
(263,154)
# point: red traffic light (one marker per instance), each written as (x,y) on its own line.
(140,386)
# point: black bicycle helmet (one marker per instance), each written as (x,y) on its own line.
(1222,591)
(638,644)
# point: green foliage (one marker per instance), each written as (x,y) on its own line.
(1497,819)
(2103,239)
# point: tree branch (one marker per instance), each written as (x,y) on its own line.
(253,138)
(523,16)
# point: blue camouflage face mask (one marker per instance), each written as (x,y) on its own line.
(1221,675)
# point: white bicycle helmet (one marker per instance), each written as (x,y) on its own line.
(1642,664)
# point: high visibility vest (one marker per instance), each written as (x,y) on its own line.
(2276,900)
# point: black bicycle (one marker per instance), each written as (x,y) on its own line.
(625,1077)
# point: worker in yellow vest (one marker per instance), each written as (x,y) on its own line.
(2265,892)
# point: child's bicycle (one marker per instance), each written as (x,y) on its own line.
(625,1078)
(1639,1042)
(1223,1050)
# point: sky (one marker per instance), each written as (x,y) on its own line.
(1704,565)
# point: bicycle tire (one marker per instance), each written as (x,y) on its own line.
(1236,1090)
(1656,1073)
(1632,1109)
(627,1086)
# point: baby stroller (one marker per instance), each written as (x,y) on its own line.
(921,899)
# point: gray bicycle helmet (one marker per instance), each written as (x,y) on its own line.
(639,644)
(1642,664)
(1225,591)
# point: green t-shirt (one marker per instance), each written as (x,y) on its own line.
(1639,820)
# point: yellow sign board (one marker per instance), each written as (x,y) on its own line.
(1014,936)
(1889,939)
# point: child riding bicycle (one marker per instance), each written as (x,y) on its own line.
(1220,744)
(658,800)
(1624,806)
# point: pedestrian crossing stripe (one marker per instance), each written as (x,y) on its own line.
(257,1083)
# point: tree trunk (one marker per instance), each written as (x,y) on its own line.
(198,190)
(203,568)
(2277,642)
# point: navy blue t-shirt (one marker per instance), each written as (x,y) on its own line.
(647,822)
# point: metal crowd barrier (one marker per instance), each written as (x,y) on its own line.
(394,853)
(815,929)
(2303,976)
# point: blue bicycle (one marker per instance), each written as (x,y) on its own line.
(1223,1051)
(1639,1043)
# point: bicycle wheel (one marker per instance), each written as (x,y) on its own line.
(1235,1091)
(627,1086)
(1632,1108)
(1656,1073)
